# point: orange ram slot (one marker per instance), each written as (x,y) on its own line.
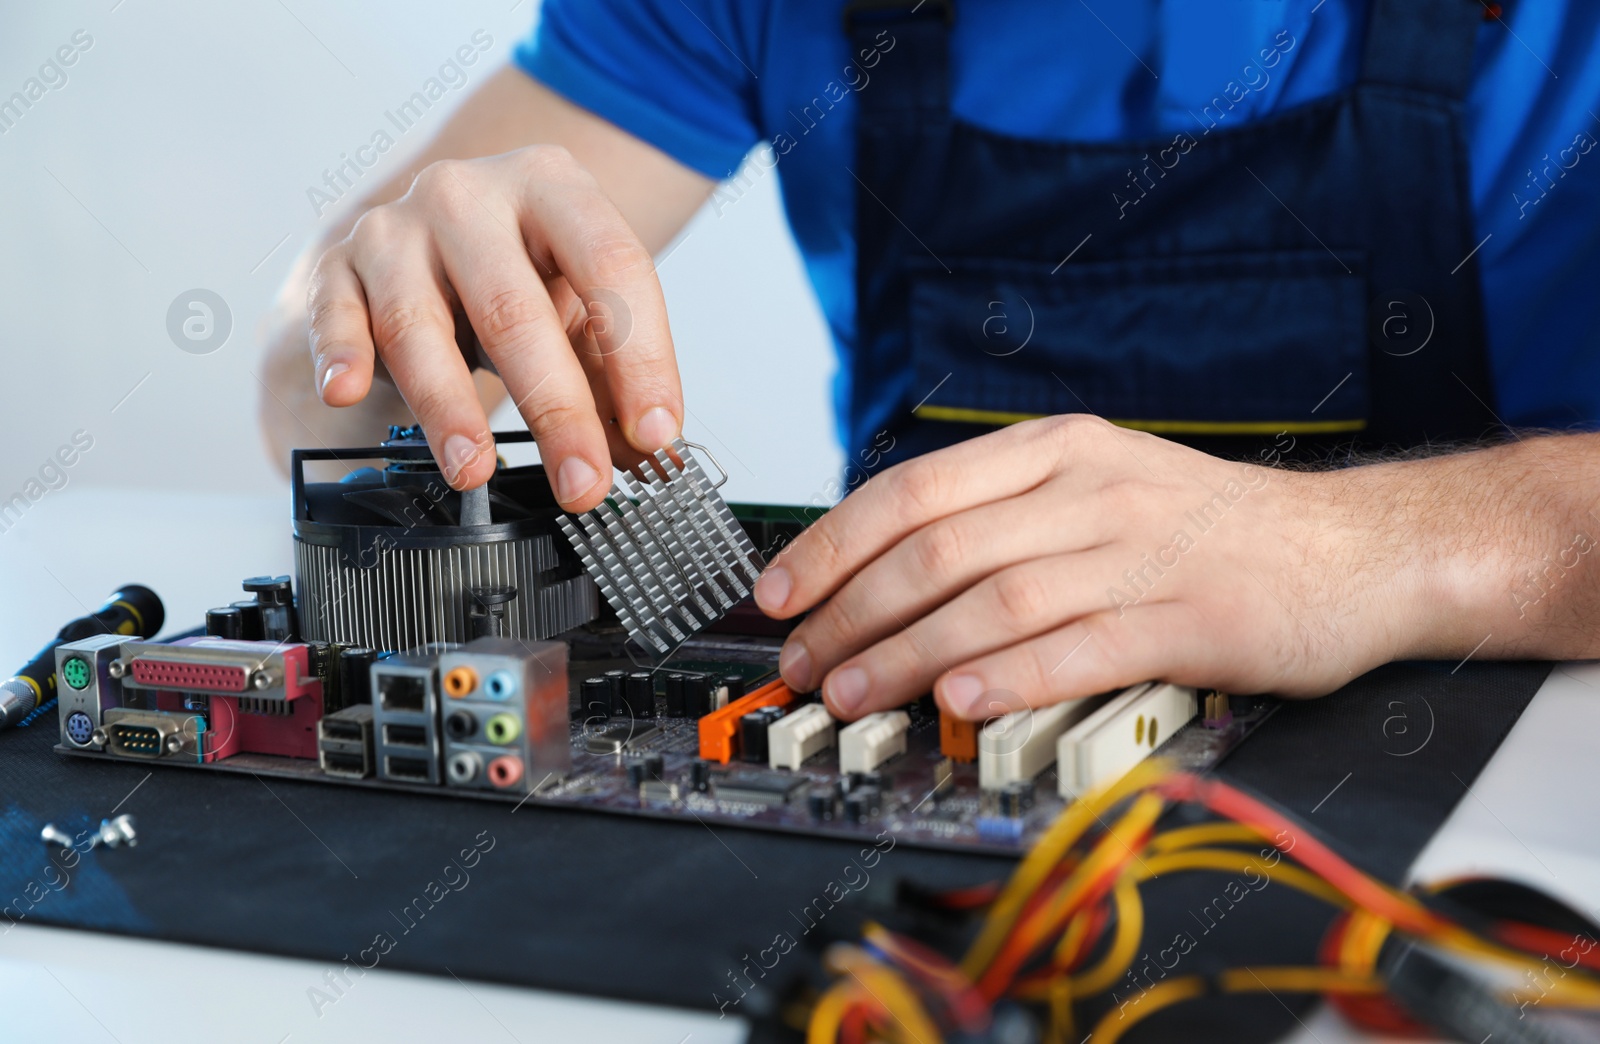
(719,730)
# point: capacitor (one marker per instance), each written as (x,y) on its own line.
(640,689)
(823,803)
(654,766)
(275,596)
(734,684)
(697,692)
(225,622)
(595,699)
(355,674)
(862,803)
(753,733)
(616,682)
(636,772)
(675,696)
(250,626)
(1016,799)
(700,774)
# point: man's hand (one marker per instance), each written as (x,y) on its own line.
(544,246)
(561,293)
(1060,558)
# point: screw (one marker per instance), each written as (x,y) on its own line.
(54,835)
(114,832)
(116,668)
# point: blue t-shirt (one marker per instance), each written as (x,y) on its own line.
(706,80)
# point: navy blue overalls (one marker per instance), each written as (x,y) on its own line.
(1307,273)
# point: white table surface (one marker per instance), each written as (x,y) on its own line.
(1530,816)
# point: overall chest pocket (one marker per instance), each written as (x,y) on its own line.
(1240,343)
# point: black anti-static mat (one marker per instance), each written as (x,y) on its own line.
(657,911)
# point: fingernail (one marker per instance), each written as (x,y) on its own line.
(330,373)
(459,453)
(575,478)
(656,428)
(772,589)
(962,693)
(847,690)
(794,664)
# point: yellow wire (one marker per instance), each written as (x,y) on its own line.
(1072,939)
(1229,861)
(828,1016)
(1110,850)
(1114,1023)
(1046,853)
(888,989)
(1204,834)
(1296,980)
(1130,929)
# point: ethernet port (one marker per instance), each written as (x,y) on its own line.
(405,736)
(403,692)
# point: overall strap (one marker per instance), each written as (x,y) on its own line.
(1422,45)
(911,79)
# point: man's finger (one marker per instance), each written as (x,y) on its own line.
(927,569)
(588,242)
(1010,606)
(415,334)
(340,336)
(1098,653)
(906,497)
(516,323)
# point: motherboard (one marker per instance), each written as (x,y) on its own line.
(487,645)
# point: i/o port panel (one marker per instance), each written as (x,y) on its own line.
(505,714)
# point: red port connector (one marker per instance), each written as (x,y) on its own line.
(190,677)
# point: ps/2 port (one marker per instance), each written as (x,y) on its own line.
(503,728)
(80,729)
(501,685)
(460,681)
(460,725)
(75,672)
(505,771)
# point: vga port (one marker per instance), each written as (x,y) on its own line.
(152,734)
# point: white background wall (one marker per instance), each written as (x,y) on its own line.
(178,153)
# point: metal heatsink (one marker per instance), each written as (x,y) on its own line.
(665,550)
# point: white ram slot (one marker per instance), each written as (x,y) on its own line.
(873,740)
(795,737)
(1103,747)
(1018,746)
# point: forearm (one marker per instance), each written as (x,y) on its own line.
(1490,551)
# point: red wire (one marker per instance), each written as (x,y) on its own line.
(969,898)
(1546,942)
(1363,891)
(1003,969)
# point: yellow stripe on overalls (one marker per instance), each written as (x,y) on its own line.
(961,415)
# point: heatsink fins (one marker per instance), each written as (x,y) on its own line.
(665,550)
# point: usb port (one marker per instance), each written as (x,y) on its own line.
(334,729)
(405,736)
(406,768)
(335,763)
